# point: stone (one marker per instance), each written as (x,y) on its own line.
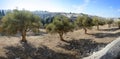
(111,51)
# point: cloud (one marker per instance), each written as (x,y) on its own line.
(82,7)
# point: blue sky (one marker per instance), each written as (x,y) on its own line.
(104,8)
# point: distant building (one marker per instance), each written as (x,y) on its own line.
(44,14)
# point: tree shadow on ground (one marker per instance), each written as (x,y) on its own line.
(84,47)
(111,29)
(103,35)
(28,51)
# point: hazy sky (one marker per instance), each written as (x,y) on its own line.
(105,8)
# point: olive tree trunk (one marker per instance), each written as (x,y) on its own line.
(24,36)
(85,30)
(61,37)
(97,27)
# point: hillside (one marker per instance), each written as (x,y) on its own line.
(47,46)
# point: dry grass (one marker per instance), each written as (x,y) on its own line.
(58,48)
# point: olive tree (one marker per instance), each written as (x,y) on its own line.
(109,22)
(61,25)
(97,21)
(20,21)
(84,22)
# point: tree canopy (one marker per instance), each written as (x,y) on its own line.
(84,22)
(20,21)
(97,21)
(109,22)
(61,25)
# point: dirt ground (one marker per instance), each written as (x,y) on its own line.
(11,48)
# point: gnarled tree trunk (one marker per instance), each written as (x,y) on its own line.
(24,36)
(85,30)
(61,37)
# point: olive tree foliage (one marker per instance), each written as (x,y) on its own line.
(97,21)
(20,21)
(61,25)
(110,22)
(84,22)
